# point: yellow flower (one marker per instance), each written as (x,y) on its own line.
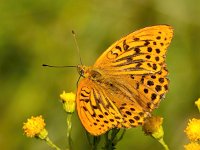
(192,146)
(153,125)
(193,129)
(197,102)
(35,127)
(68,100)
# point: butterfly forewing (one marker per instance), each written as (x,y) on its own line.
(141,52)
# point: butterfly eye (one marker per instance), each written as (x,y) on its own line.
(80,71)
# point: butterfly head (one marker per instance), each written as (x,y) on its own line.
(89,72)
(83,70)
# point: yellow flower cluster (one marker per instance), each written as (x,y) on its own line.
(68,100)
(193,129)
(34,126)
(197,102)
(193,132)
(192,146)
(153,126)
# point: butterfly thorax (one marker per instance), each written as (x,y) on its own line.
(89,72)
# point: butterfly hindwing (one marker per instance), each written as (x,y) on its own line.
(146,90)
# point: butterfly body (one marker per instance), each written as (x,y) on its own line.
(126,83)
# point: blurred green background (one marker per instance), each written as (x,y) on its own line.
(33,32)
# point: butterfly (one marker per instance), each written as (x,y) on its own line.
(126,82)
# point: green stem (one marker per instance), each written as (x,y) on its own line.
(93,141)
(112,140)
(51,144)
(69,128)
(122,135)
(88,138)
(161,141)
(96,140)
(108,143)
(115,131)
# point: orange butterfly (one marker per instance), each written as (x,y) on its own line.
(126,83)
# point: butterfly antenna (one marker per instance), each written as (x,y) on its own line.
(46,65)
(76,43)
